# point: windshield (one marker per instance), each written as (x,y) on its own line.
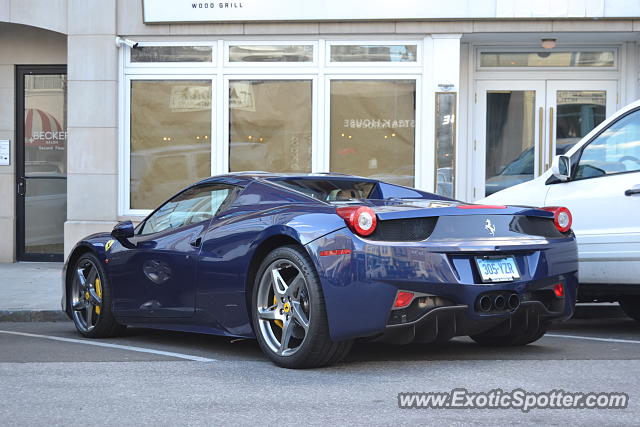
(329,190)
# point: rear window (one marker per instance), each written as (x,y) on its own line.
(330,190)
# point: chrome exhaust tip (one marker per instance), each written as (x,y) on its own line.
(485,303)
(500,302)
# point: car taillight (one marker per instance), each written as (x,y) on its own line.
(561,217)
(558,289)
(403,299)
(360,219)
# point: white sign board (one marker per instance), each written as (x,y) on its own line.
(167,11)
(5,147)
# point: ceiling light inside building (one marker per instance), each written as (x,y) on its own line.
(548,43)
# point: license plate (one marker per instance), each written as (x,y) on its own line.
(498,269)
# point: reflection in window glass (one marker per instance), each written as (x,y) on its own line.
(172,54)
(615,150)
(445,143)
(510,133)
(547,59)
(270,125)
(45,125)
(579,111)
(45,211)
(271,53)
(190,207)
(170,138)
(373,129)
(374,53)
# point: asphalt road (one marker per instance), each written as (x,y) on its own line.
(167,378)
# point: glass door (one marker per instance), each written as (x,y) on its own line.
(41,167)
(574,108)
(522,125)
(509,134)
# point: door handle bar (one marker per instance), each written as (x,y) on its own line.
(549,159)
(540,139)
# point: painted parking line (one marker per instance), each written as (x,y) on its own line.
(116,346)
(578,337)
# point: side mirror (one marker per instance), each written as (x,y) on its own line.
(561,168)
(123,230)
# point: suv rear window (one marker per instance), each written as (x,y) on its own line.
(330,190)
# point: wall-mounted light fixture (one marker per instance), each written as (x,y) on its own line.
(548,43)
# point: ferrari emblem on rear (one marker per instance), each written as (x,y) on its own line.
(490,227)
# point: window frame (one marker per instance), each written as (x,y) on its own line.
(578,154)
(197,65)
(229,43)
(419,160)
(219,72)
(532,49)
(125,172)
(223,159)
(369,64)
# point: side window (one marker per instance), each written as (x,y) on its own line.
(192,206)
(615,150)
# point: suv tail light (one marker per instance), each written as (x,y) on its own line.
(360,219)
(561,217)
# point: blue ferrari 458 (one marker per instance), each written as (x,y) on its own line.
(308,263)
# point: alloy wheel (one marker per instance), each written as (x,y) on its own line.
(86,295)
(283,307)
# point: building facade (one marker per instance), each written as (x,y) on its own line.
(109,107)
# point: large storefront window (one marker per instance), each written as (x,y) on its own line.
(373,129)
(170,138)
(291,106)
(270,125)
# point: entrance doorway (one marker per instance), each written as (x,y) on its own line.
(41,162)
(522,125)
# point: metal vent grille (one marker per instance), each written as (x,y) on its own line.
(404,230)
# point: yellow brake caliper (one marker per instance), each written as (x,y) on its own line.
(277,321)
(98,287)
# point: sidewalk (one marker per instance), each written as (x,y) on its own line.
(31,291)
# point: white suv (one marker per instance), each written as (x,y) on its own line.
(598,179)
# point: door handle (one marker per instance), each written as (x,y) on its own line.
(196,243)
(632,191)
(540,139)
(549,159)
(21,187)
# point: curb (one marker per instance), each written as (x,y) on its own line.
(33,316)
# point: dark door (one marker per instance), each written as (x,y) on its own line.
(155,276)
(41,162)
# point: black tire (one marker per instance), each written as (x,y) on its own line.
(631,306)
(514,338)
(315,349)
(102,321)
